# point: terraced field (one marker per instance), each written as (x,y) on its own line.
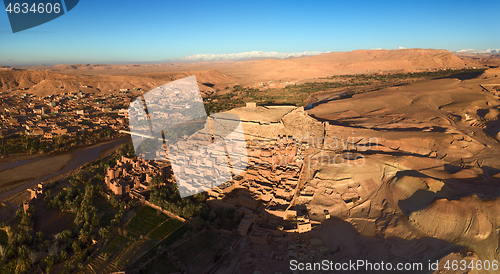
(143,232)
(144,221)
(165,229)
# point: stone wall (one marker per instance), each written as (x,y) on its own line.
(170,214)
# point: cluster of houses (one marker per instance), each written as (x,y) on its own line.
(268,190)
(173,103)
(274,170)
(61,114)
(133,176)
(269,186)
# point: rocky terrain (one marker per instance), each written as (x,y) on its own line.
(407,173)
(412,162)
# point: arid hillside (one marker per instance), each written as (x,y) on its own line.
(44,82)
(354,62)
(482,58)
(430,166)
(214,76)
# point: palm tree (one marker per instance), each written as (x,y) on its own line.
(82,238)
(22,266)
(65,235)
(47,195)
(39,235)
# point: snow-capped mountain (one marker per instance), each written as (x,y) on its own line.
(242,56)
(478,51)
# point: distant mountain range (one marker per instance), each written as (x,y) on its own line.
(252,55)
(477,51)
(256,55)
(275,72)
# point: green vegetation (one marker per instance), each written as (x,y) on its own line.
(97,217)
(144,221)
(168,198)
(171,134)
(147,227)
(175,236)
(3,237)
(218,217)
(165,229)
(23,248)
(155,259)
(32,144)
(19,242)
(205,219)
(299,95)
(218,103)
(186,128)
(411,75)
(291,95)
(117,241)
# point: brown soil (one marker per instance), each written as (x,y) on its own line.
(25,173)
(51,221)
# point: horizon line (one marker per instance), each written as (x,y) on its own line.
(235,57)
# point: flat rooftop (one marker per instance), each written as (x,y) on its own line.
(262,114)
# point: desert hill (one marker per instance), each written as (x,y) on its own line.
(221,74)
(434,166)
(413,166)
(44,82)
(489,59)
(353,62)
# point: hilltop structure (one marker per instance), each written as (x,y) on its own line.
(133,176)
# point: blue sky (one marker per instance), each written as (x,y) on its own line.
(108,31)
